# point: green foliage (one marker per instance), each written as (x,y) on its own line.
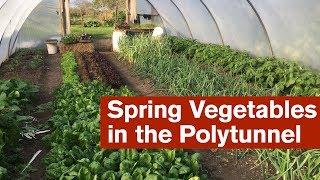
(181,65)
(177,75)
(121,17)
(33,56)
(111,4)
(292,164)
(143,26)
(15,96)
(109,22)
(36,62)
(95,32)
(75,151)
(69,68)
(283,76)
(70,39)
(92,23)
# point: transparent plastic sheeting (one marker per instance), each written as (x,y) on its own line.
(172,16)
(2,2)
(13,14)
(200,22)
(293,27)
(285,28)
(143,7)
(239,25)
(7,14)
(42,23)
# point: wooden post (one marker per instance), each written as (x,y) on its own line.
(117,13)
(128,5)
(67,15)
(62,17)
(82,21)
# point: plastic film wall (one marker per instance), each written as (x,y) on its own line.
(26,23)
(43,23)
(286,29)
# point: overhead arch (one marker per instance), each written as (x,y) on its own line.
(215,22)
(171,14)
(20,21)
(168,27)
(2,2)
(202,25)
(239,26)
(16,18)
(262,24)
(42,23)
(13,16)
(7,12)
(293,27)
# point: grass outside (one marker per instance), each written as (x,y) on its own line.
(95,32)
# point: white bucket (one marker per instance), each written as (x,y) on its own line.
(158,32)
(116,37)
(52,46)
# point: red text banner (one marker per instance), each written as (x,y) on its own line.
(209,122)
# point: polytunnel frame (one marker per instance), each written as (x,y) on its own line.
(262,24)
(214,20)
(8,22)
(184,18)
(17,27)
(20,24)
(217,25)
(202,13)
(189,32)
(5,30)
(4,2)
(162,20)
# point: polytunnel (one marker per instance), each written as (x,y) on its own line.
(159,89)
(285,29)
(26,24)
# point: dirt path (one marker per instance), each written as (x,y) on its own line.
(141,86)
(49,80)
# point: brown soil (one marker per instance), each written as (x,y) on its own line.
(48,78)
(20,71)
(102,45)
(78,47)
(82,68)
(231,165)
(95,66)
(143,87)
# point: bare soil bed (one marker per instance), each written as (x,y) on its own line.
(77,47)
(95,66)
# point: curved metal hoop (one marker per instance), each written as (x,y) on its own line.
(214,20)
(262,24)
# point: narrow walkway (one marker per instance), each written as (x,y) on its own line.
(49,81)
(143,87)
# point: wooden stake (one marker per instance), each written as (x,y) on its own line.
(128,4)
(67,15)
(62,17)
